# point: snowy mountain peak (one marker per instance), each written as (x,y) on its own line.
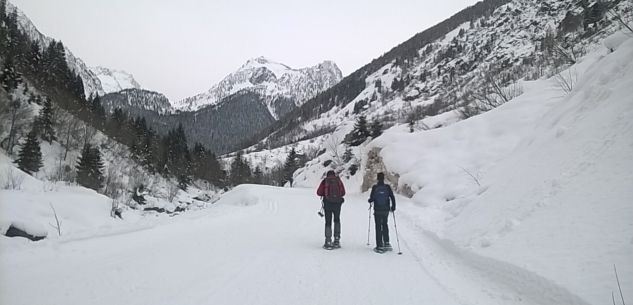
(272,81)
(261,60)
(259,63)
(115,80)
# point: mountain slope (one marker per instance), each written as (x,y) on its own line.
(92,84)
(97,80)
(271,80)
(115,80)
(136,101)
(220,127)
(467,64)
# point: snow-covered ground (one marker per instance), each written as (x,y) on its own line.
(262,245)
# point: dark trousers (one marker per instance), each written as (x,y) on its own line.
(382,230)
(332,209)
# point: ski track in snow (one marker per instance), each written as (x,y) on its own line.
(263,246)
(488,279)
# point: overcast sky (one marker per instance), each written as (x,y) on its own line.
(181,48)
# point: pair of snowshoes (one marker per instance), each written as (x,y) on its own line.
(384,248)
(332,245)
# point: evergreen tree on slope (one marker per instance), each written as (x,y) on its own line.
(30,156)
(359,134)
(90,168)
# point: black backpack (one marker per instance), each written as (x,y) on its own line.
(332,190)
(381,197)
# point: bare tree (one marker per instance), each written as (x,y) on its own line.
(566,80)
(332,145)
(490,95)
(88,133)
(19,116)
(618,17)
(69,132)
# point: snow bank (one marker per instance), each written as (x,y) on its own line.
(543,182)
(33,205)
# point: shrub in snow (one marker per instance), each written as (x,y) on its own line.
(139,194)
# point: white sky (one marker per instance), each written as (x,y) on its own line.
(181,48)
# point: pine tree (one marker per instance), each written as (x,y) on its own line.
(376,129)
(30,156)
(184,176)
(98,111)
(90,168)
(240,170)
(290,166)
(44,122)
(10,78)
(258,176)
(359,134)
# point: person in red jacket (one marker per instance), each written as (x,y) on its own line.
(332,191)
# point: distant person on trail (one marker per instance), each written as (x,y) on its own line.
(383,201)
(332,191)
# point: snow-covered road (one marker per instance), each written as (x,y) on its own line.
(262,245)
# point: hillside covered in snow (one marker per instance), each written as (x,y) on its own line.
(465,65)
(96,80)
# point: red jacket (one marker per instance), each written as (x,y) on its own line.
(321,190)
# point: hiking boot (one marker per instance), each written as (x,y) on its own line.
(379,250)
(387,247)
(328,244)
(336,243)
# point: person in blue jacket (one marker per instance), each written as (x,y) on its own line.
(383,201)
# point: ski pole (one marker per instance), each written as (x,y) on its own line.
(396,227)
(368,222)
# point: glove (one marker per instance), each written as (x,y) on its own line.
(393,208)
(369,200)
